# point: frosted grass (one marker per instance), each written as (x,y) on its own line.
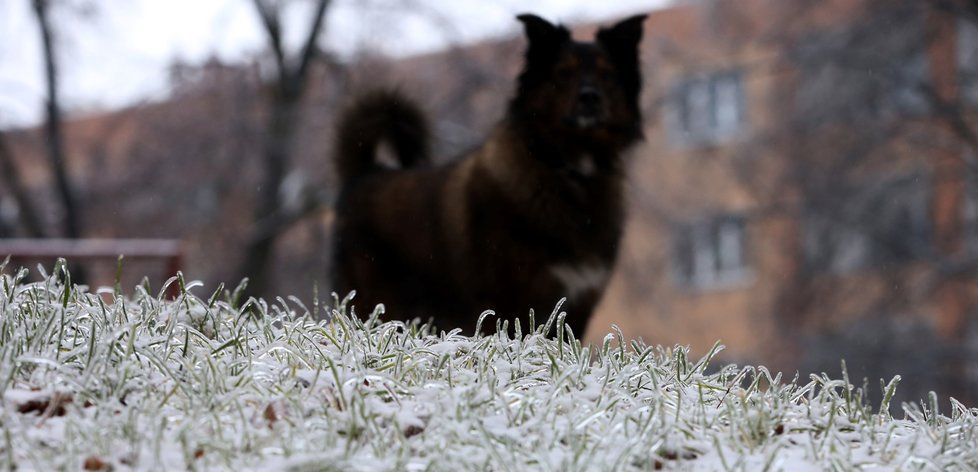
(102,380)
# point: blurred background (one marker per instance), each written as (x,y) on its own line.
(807,189)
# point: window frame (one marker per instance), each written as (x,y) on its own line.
(702,257)
(708,108)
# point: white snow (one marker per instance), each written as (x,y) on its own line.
(157,384)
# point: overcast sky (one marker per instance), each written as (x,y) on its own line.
(115,52)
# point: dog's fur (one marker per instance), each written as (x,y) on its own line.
(533,215)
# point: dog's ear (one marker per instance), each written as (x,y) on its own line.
(621,40)
(544,37)
(621,43)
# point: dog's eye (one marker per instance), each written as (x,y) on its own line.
(606,73)
(566,73)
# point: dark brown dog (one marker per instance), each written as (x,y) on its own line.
(533,215)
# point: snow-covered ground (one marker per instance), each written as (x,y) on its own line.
(140,382)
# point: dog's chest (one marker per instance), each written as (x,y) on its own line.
(578,280)
(584,165)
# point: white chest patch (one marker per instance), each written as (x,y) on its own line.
(585,165)
(580,279)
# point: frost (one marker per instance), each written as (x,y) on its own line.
(146,383)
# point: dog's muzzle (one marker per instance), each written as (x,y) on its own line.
(589,111)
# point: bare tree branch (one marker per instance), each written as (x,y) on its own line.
(310,46)
(270,19)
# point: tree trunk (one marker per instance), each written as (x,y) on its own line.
(55,141)
(277,152)
(290,85)
(53,132)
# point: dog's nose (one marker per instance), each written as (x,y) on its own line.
(589,96)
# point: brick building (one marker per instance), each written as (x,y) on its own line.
(807,190)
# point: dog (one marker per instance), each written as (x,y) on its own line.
(532,215)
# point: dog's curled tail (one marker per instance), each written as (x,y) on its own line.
(375,117)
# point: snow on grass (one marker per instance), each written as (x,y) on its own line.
(105,381)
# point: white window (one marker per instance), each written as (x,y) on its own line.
(705,257)
(851,252)
(709,108)
(728,109)
(967,50)
(711,253)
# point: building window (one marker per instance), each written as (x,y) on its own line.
(967,50)
(835,247)
(911,78)
(907,226)
(893,64)
(887,225)
(708,109)
(711,253)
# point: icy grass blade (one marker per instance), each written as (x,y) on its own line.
(146,383)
